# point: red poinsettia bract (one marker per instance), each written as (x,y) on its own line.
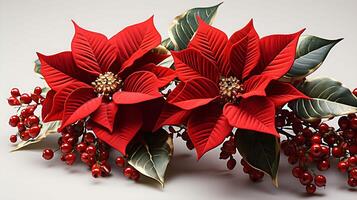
(113,81)
(230,83)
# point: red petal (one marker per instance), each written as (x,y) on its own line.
(278,54)
(60,70)
(172,115)
(165,75)
(128,124)
(191,64)
(105,115)
(213,44)
(139,87)
(207,128)
(151,112)
(194,93)
(79,105)
(47,104)
(92,51)
(256,85)
(135,41)
(245,52)
(255,113)
(281,93)
(59,100)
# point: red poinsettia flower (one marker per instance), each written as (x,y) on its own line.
(230,83)
(110,81)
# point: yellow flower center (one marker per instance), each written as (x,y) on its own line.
(230,88)
(106,84)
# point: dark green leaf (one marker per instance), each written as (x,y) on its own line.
(329,99)
(167,43)
(153,155)
(185,25)
(310,54)
(261,151)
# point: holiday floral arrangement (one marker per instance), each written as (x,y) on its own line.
(134,92)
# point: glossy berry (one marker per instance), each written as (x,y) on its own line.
(25,135)
(70,158)
(128,171)
(81,147)
(316,139)
(352,161)
(89,138)
(310,188)
(344,122)
(353,173)
(25,98)
(323,128)
(323,165)
(120,161)
(297,171)
(320,181)
(315,150)
(91,150)
(37,90)
(14,120)
(13,138)
(33,120)
(352,182)
(15,92)
(306,178)
(105,169)
(256,176)
(34,131)
(355,92)
(47,154)
(337,152)
(66,148)
(354,123)
(135,175)
(231,163)
(12,101)
(96,172)
(342,166)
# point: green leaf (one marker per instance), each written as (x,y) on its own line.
(261,151)
(310,54)
(37,67)
(152,156)
(185,25)
(329,99)
(167,43)
(46,130)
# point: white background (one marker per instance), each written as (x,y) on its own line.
(45,26)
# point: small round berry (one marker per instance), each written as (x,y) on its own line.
(323,165)
(135,175)
(310,188)
(91,150)
(224,155)
(96,172)
(353,173)
(355,92)
(89,138)
(105,169)
(342,166)
(103,155)
(337,152)
(33,120)
(34,131)
(128,171)
(37,90)
(85,157)
(352,182)
(353,149)
(14,120)
(81,147)
(231,163)
(325,151)
(189,145)
(344,122)
(307,133)
(47,154)
(25,135)
(25,98)
(13,138)
(70,158)
(316,139)
(320,181)
(66,148)
(13,101)
(306,178)
(315,150)
(256,176)
(352,161)
(297,171)
(353,122)
(15,92)
(120,161)
(323,128)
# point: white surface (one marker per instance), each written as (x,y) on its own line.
(44,26)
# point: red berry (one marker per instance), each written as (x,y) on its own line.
(307,132)
(325,151)
(34,131)
(189,145)
(353,149)
(337,152)
(306,178)
(315,150)
(91,150)
(105,169)
(13,138)
(12,101)
(89,138)
(14,120)
(25,98)
(120,161)
(256,176)
(47,154)
(70,158)
(128,171)
(25,135)
(320,181)
(81,147)
(353,173)
(352,161)
(323,128)
(323,165)
(66,148)
(33,120)
(297,171)
(37,90)
(310,188)
(103,155)
(15,92)
(85,157)
(96,172)
(352,182)
(135,175)
(355,92)
(342,166)
(224,155)
(344,122)
(231,163)
(354,123)
(316,139)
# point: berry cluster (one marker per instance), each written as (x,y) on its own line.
(182,132)
(314,144)
(27,123)
(128,170)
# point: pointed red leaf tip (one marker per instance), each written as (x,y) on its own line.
(255,113)
(280,93)
(92,51)
(213,44)
(191,64)
(134,41)
(245,53)
(278,54)
(207,128)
